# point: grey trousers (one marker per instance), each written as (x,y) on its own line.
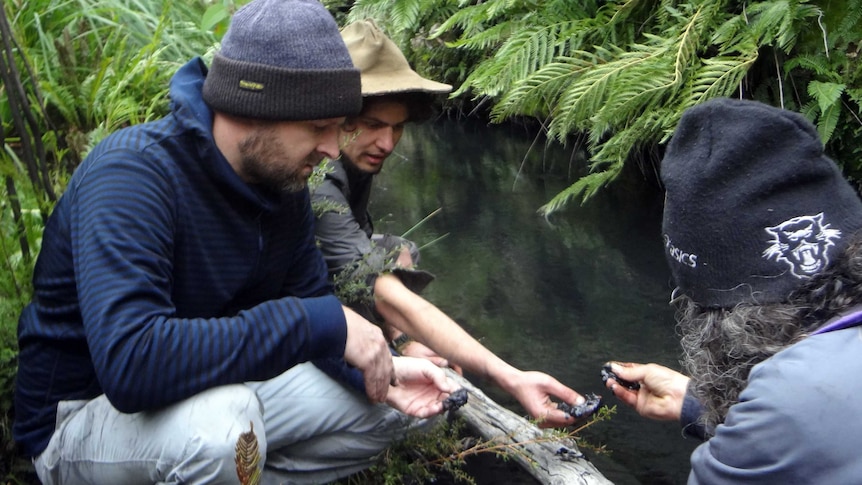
(310,429)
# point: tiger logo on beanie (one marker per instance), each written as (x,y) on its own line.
(802,243)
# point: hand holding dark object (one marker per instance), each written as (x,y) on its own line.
(539,393)
(608,373)
(661,393)
(455,400)
(423,389)
(586,408)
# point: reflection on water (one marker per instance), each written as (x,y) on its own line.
(562,296)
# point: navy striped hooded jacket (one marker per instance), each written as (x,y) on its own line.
(163,274)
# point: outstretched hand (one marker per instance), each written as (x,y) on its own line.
(367,350)
(661,393)
(534,390)
(421,389)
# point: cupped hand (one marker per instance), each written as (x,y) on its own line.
(661,393)
(535,390)
(367,350)
(417,349)
(421,389)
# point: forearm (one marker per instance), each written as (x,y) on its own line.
(424,322)
(149,362)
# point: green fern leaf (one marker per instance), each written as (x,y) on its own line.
(825,93)
(828,121)
(582,188)
(818,64)
(716,77)
(852,18)
(404,14)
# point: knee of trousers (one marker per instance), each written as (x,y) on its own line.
(221,422)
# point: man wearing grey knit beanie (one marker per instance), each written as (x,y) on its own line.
(182,320)
(762,235)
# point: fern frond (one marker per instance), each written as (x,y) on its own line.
(690,39)
(825,93)
(644,128)
(525,50)
(828,121)
(365,9)
(777,20)
(606,165)
(473,19)
(828,98)
(587,94)
(402,19)
(716,77)
(404,14)
(729,32)
(493,10)
(852,19)
(855,94)
(581,189)
(818,64)
(489,38)
(635,94)
(537,94)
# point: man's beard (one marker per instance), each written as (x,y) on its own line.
(264,160)
(721,346)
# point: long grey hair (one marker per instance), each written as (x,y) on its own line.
(720,346)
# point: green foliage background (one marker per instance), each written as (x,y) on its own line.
(617,75)
(86,68)
(613,76)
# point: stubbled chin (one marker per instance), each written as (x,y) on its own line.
(372,166)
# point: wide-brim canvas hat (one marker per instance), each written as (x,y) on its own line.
(383,67)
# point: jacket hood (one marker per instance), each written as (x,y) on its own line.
(194,115)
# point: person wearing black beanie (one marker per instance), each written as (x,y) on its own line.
(182,320)
(762,237)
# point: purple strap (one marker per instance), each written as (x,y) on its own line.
(847,321)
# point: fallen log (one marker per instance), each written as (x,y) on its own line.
(549,459)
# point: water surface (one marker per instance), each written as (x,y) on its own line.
(561,295)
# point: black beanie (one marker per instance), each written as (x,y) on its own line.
(753,207)
(283,60)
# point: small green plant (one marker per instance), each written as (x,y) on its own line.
(351,283)
(21,227)
(76,70)
(424,455)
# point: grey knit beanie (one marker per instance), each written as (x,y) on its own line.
(753,207)
(283,60)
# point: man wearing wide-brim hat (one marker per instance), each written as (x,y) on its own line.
(384,265)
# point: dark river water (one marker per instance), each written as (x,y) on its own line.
(562,295)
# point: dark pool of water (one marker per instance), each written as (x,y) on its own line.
(561,295)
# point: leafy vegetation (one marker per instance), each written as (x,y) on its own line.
(617,75)
(443,451)
(73,71)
